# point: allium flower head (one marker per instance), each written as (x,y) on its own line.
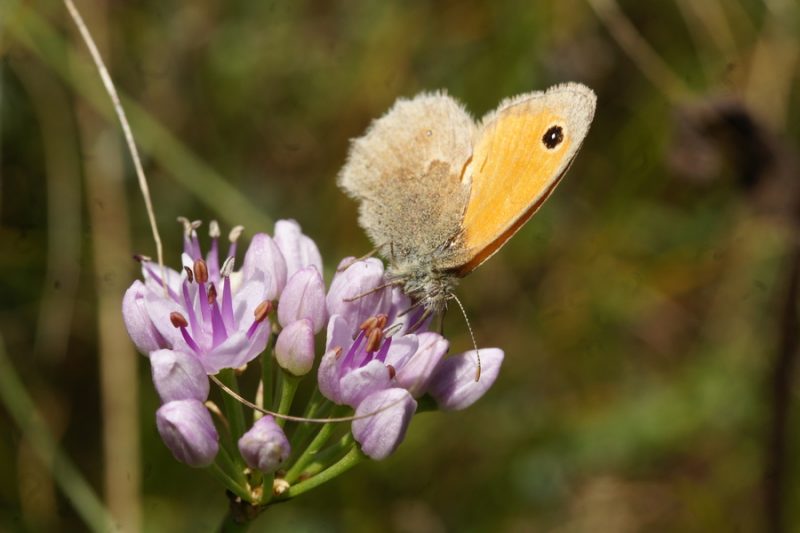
(381,367)
(380,359)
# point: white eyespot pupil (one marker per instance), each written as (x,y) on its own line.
(553,137)
(429,132)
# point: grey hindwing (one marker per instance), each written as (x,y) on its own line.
(406,173)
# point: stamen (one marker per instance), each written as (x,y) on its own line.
(382,319)
(212,294)
(212,258)
(187,226)
(235,233)
(190,245)
(374,338)
(189,274)
(368,324)
(219,334)
(346,362)
(196,253)
(178,320)
(227,300)
(391,330)
(147,267)
(337,352)
(139,258)
(213,229)
(201,275)
(384,351)
(189,306)
(263,309)
(227,267)
(233,236)
(261,312)
(392,371)
(200,271)
(189,340)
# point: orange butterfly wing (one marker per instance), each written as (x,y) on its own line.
(513,171)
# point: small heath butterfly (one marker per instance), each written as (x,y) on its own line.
(440,194)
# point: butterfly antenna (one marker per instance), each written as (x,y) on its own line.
(472,336)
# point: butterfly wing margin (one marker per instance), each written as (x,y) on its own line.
(512,172)
(406,173)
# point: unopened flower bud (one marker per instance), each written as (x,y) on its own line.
(304,297)
(298,250)
(186,428)
(265,446)
(294,348)
(263,255)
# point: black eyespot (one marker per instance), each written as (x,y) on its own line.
(553,137)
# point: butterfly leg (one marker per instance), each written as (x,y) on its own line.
(371,291)
(357,259)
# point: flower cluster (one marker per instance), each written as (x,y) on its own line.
(208,319)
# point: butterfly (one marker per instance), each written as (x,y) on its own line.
(440,193)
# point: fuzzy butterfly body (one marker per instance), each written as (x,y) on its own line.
(439,193)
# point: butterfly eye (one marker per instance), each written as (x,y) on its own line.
(553,137)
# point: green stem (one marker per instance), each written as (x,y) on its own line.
(353,457)
(310,453)
(267,377)
(313,449)
(229,482)
(267,481)
(318,407)
(289,385)
(231,467)
(268,370)
(233,409)
(328,455)
(231,525)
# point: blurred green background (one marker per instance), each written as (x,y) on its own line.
(648,312)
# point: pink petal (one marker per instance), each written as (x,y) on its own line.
(264,255)
(298,250)
(178,376)
(453,384)
(232,353)
(381,433)
(304,297)
(141,329)
(418,370)
(361,382)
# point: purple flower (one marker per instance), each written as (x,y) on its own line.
(294,349)
(379,367)
(186,428)
(265,446)
(200,312)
